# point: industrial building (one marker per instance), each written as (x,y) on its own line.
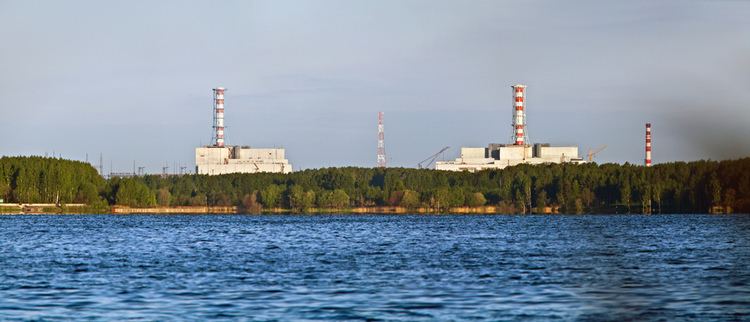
(498,156)
(219,158)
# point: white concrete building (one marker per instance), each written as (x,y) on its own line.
(212,160)
(219,158)
(499,156)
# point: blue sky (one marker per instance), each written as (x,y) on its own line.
(132,80)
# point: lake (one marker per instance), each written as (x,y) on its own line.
(371,267)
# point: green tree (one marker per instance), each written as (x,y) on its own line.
(457,197)
(270,196)
(522,192)
(476,199)
(410,199)
(715,187)
(541,201)
(625,193)
(135,194)
(296,197)
(325,199)
(299,199)
(656,194)
(440,198)
(339,199)
(373,196)
(578,206)
(87,194)
(199,199)
(729,199)
(309,200)
(163,197)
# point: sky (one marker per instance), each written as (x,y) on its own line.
(132,80)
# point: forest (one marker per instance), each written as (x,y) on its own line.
(677,187)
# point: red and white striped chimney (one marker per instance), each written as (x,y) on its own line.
(219,117)
(519,114)
(648,144)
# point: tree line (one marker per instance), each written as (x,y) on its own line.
(677,187)
(49,180)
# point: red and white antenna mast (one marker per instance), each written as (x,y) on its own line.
(519,114)
(381,142)
(219,117)
(648,144)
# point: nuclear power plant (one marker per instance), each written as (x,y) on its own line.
(648,145)
(520,151)
(219,158)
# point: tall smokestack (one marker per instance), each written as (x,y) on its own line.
(219,117)
(519,114)
(381,142)
(648,144)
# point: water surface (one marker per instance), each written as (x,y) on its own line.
(375,267)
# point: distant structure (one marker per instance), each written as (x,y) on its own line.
(519,114)
(520,151)
(381,142)
(121,175)
(220,158)
(219,117)
(648,144)
(101,164)
(426,163)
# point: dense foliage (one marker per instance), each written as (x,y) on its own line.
(678,187)
(49,180)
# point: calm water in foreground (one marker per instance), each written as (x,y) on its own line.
(375,267)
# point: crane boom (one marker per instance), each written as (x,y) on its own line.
(593,152)
(431,159)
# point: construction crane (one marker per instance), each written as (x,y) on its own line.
(590,155)
(426,163)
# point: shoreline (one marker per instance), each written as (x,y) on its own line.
(352,210)
(81,209)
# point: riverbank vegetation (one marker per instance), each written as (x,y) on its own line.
(50,181)
(679,187)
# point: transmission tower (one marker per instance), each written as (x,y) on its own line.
(101,164)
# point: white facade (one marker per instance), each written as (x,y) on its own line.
(499,156)
(514,152)
(564,153)
(472,153)
(234,159)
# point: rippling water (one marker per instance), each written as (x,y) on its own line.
(375,267)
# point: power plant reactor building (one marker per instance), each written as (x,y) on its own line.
(219,158)
(520,151)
